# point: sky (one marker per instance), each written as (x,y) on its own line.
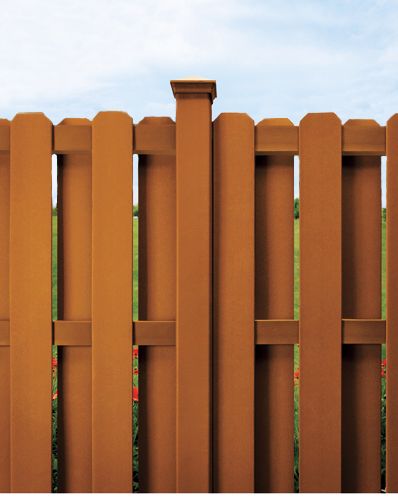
(270,58)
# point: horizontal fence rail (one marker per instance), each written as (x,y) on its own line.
(160,139)
(237,303)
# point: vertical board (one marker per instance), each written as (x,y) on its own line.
(233,302)
(112,186)
(320,309)
(74,303)
(274,300)
(194,199)
(4,316)
(157,301)
(391,306)
(361,299)
(30,302)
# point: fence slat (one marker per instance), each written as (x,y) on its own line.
(30,302)
(233,270)
(361,299)
(74,303)
(274,300)
(391,306)
(4,315)
(193,169)
(112,169)
(157,301)
(320,308)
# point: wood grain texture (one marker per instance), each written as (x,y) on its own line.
(4,315)
(320,303)
(391,306)
(274,300)
(30,302)
(157,301)
(112,256)
(74,304)
(194,280)
(361,299)
(233,283)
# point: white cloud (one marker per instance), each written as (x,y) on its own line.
(284,57)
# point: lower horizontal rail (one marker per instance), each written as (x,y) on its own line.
(162,333)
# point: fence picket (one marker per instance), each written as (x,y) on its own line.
(4,316)
(112,170)
(361,298)
(233,294)
(320,303)
(391,306)
(30,302)
(157,301)
(74,303)
(274,300)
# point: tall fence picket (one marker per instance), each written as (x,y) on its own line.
(361,299)
(74,304)
(4,316)
(234,341)
(157,301)
(30,302)
(391,306)
(274,300)
(320,303)
(112,338)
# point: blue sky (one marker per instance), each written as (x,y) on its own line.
(270,58)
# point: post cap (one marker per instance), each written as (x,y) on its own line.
(194,84)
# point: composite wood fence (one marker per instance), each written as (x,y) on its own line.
(216,329)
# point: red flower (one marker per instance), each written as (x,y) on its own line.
(135,393)
(383,367)
(297,374)
(55,395)
(135,352)
(135,371)
(54,362)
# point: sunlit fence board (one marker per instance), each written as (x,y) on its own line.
(320,303)
(234,341)
(30,302)
(112,177)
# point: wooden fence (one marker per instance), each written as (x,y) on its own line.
(216,328)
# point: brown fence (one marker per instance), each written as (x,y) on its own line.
(216,328)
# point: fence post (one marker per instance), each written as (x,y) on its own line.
(193,315)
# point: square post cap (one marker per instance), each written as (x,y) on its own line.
(194,84)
